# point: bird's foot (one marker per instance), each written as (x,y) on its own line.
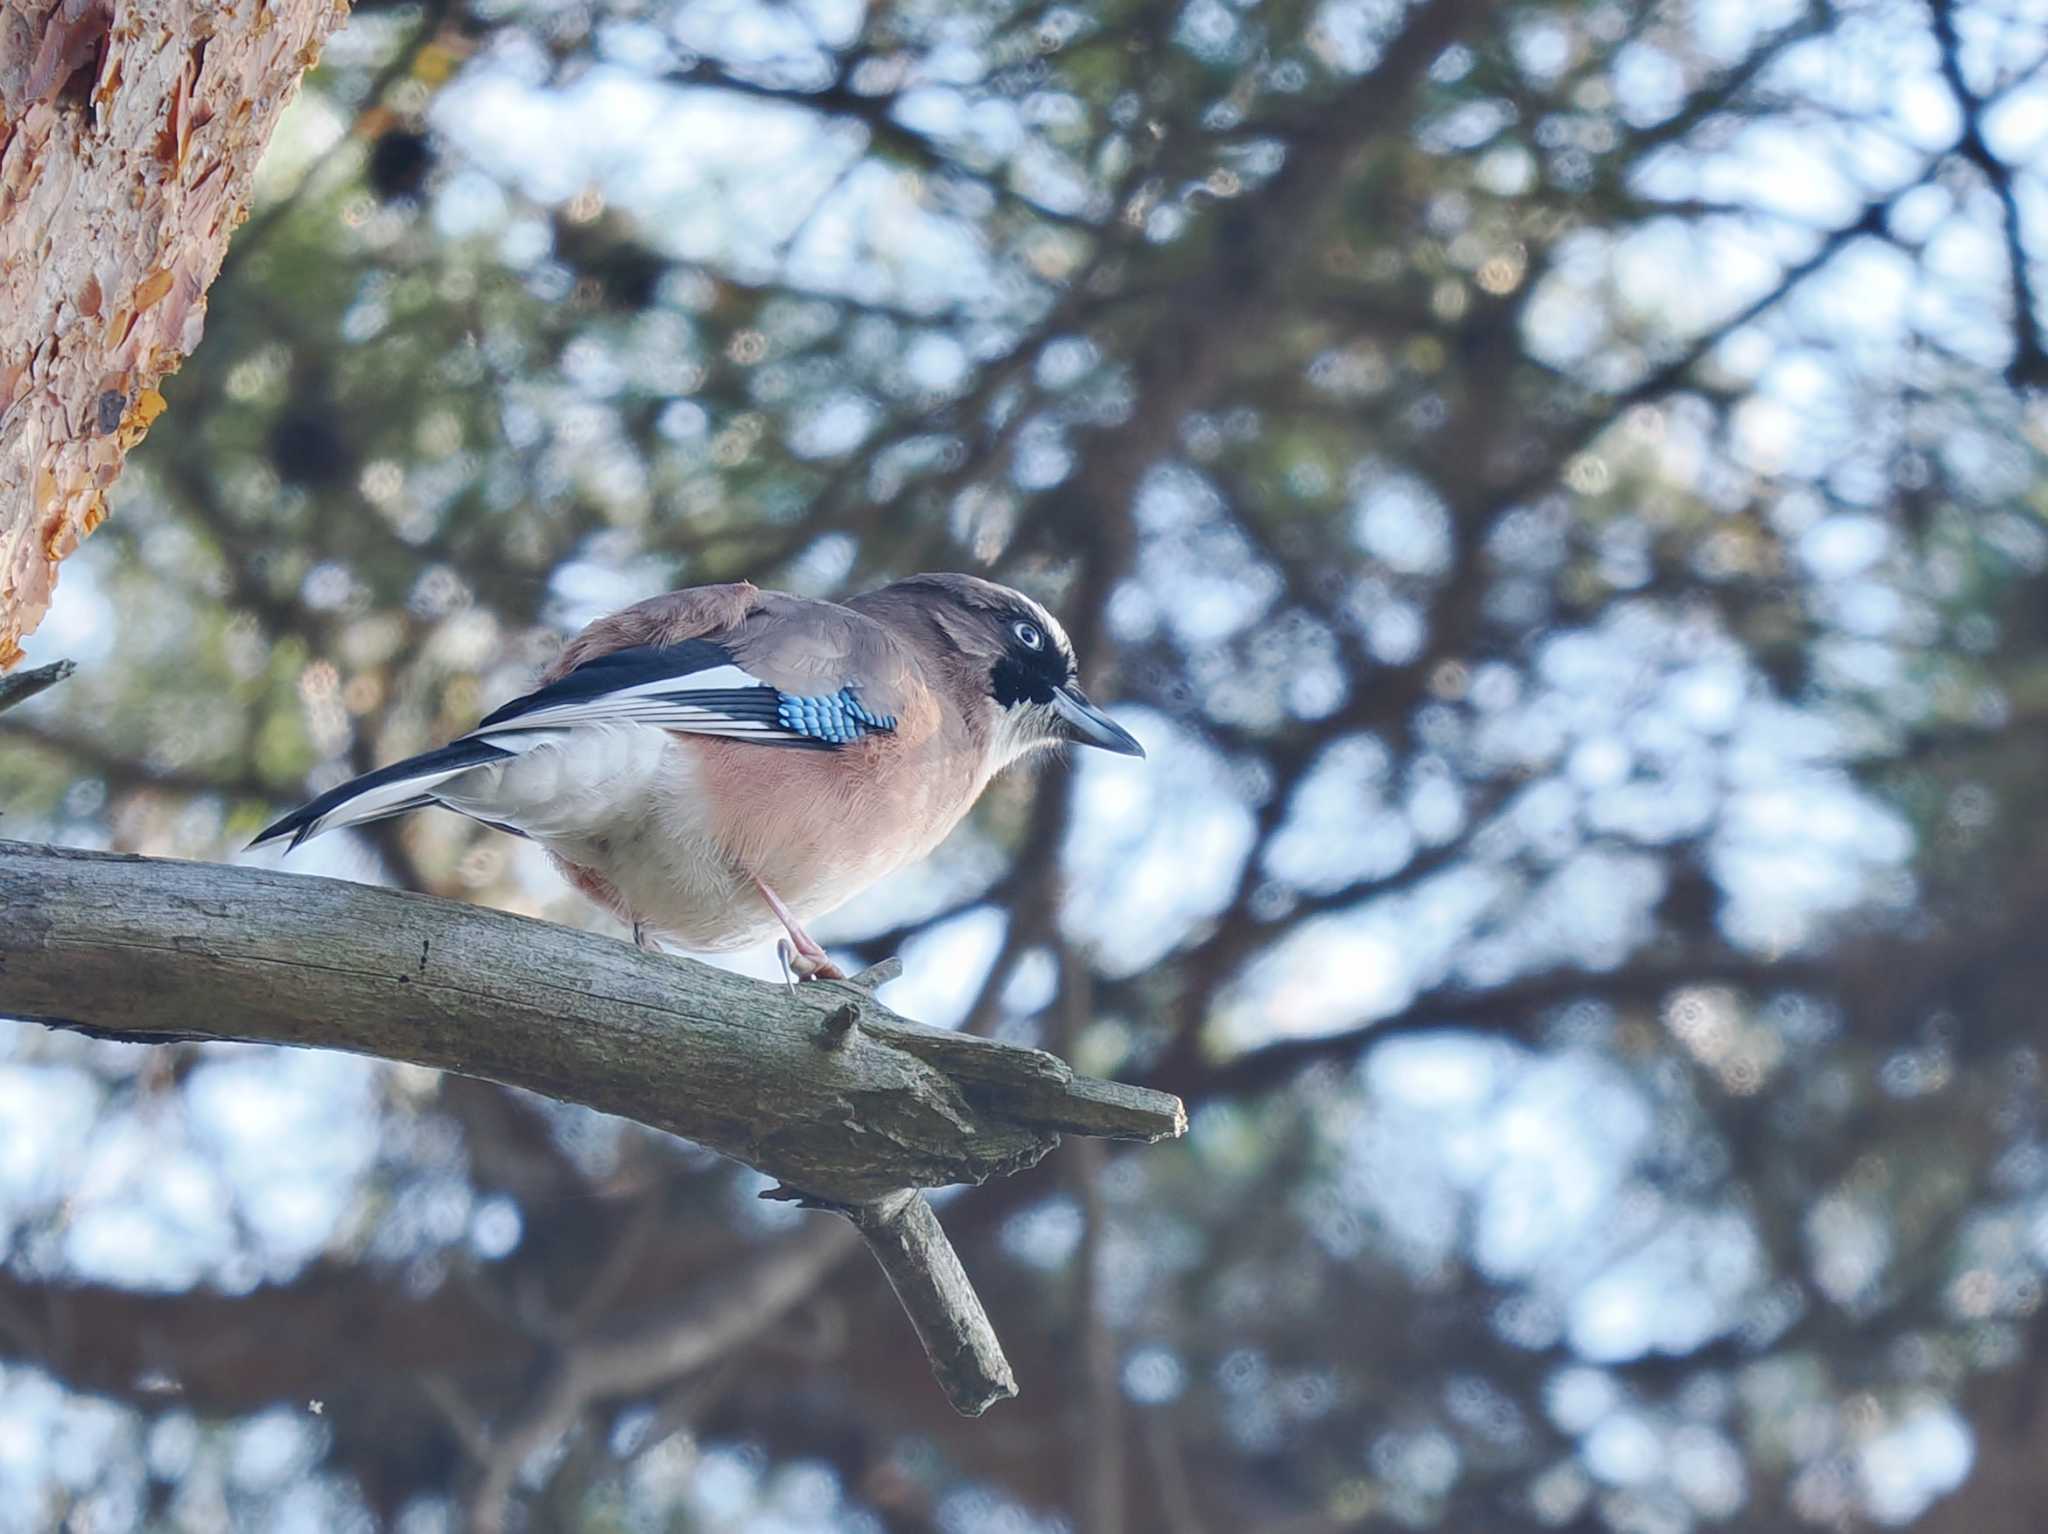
(800,954)
(797,964)
(643,939)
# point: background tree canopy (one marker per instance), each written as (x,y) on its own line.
(1555,489)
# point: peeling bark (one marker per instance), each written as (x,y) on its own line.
(129,134)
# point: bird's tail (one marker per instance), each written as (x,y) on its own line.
(406,785)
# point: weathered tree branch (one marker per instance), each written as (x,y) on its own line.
(848,1105)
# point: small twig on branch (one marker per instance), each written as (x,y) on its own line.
(934,1289)
(23,685)
(935,1293)
(878,974)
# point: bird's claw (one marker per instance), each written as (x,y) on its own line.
(798,965)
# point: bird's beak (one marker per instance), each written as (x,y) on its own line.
(1091,726)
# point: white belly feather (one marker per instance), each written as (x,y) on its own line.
(622,801)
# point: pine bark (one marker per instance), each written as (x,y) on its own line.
(129,136)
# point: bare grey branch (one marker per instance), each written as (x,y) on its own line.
(826,1090)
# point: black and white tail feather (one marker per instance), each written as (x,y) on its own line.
(695,687)
(386,792)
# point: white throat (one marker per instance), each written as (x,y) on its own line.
(1017,731)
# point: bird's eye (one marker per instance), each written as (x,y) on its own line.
(1028,635)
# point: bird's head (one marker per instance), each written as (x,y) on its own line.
(1018,661)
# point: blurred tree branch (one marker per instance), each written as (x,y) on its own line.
(2029,365)
(24,685)
(731,1309)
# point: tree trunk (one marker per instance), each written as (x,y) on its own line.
(129,134)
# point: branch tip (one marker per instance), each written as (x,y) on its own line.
(24,685)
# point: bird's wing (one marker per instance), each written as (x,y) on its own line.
(809,648)
(693,686)
(729,661)
(762,666)
(697,612)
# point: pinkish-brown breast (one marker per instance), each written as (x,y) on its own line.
(820,826)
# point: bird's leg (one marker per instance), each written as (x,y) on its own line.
(806,958)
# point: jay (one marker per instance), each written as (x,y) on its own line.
(718,762)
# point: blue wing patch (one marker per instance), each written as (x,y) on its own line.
(837,718)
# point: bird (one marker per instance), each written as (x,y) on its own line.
(720,762)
